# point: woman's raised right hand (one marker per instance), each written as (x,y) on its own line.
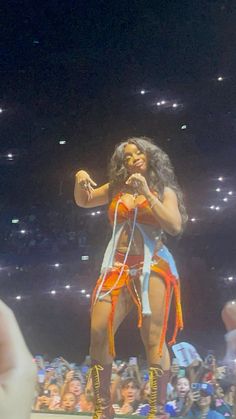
(85,182)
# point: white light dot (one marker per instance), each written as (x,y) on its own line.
(143,92)
(15,221)
(184,127)
(174,105)
(230,278)
(10,155)
(233,302)
(88,295)
(230,193)
(93,213)
(67,287)
(212,207)
(193,220)
(158,103)
(18,297)
(85,257)
(83,291)
(62,142)
(163,102)
(218,189)
(220,78)
(217,208)
(225,199)
(1,110)
(220,179)
(23,231)
(98,212)
(53,292)
(56,265)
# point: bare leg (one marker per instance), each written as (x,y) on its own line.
(99,347)
(229,318)
(151,332)
(152,325)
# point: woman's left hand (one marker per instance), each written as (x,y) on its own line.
(139,183)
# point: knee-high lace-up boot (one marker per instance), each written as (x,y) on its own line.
(101,379)
(158,379)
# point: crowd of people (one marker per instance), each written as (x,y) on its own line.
(203,389)
(59,228)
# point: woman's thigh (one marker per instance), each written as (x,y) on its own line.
(152,325)
(102,309)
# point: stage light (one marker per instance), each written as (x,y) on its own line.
(88,295)
(1,110)
(217,208)
(225,199)
(67,287)
(23,231)
(184,127)
(98,212)
(83,291)
(230,193)
(193,220)
(56,265)
(220,78)
(18,297)
(230,278)
(143,92)
(53,292)
(62,142)
(175,105)
(93,213)
(163,102)
(10,156)
(218,189)
(84,257)
(220,179)
(233,302)
(15,221)
(212,207)
(158,103)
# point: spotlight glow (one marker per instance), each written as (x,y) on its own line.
(56,265)
(212,207)
(67,287)
(193,220)
(83,291)
(18,297)
(184,127)
(217,208)
(158,103)
(230,278)
(218,189)
(220,78)
(225,199)
(220,179)
(230,193)
(15,221)
(175,105)
(53,292)
(163,102)
(143,92)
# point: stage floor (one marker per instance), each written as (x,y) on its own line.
(41,415)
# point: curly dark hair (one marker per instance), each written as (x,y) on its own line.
(160,171)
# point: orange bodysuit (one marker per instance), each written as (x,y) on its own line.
(124,270)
